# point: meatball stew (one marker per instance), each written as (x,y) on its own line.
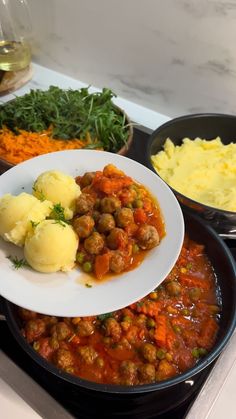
(154,339)
(117,222)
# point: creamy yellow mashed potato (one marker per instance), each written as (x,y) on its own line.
(17,213)
(58,188)
(201,170)
(51,246)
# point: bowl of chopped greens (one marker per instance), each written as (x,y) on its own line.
(56,119)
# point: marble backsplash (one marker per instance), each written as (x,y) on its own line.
(171,56)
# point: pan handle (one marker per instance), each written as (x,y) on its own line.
(2,317)
(228,236)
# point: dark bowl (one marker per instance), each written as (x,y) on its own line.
(167,391)
(207,126)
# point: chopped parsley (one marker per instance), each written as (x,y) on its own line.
(104,316)
(17,263)
(60,222)
(58,212)
(88,285)
(40,194)
(34,224)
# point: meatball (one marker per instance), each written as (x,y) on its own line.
(147,236)
(34,329)
(61,330)
(64,358)
(94,243)
(124,217)
(149,352)
(85,328)
(117,262)
(87,179)
(147,373)
(88,354)
(113,329)
(105,223)
(84,204)
(27,314)
(117,239)
(110,204)
(173,288)
(128,371)
(83,226)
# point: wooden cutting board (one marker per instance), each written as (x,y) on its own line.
(13,80)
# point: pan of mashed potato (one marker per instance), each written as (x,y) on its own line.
(202,170)
(195,155)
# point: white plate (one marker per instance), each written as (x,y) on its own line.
(65,294)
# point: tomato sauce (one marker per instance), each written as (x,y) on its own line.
(117,221)
(156,338)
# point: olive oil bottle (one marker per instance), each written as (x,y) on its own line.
(14,55)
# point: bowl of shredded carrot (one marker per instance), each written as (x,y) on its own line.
(42,122)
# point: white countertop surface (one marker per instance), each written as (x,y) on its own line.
(217,398)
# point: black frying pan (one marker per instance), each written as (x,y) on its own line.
(225,269)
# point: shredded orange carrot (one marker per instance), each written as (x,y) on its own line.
(16,148)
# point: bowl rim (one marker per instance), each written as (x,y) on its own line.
(150,165)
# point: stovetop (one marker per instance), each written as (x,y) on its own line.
(85,404)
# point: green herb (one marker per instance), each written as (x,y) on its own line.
(71,114)
(58,212)
(39,194)
(88,285)
(34,224)
(17,263)
(60,222)
(104,316)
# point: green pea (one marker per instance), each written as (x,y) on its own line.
(135,248)
(79,257)
(127,319)
(138,203)
(129,205)
(151,323)
(176,328)
(161,354)
(202,351)
(198,352)
(185,312)
(87,267)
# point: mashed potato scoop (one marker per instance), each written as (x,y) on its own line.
(59,188)
(18,213)
(51,246)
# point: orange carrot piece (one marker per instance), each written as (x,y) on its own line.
(160,333)
(194,282)
(112,171)
(101,266)
(112,185)
(140,216)
(150,308)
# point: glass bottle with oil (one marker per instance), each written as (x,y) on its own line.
(15,27)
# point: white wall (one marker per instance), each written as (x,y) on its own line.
(173,56)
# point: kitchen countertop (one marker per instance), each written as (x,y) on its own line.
(216,398)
